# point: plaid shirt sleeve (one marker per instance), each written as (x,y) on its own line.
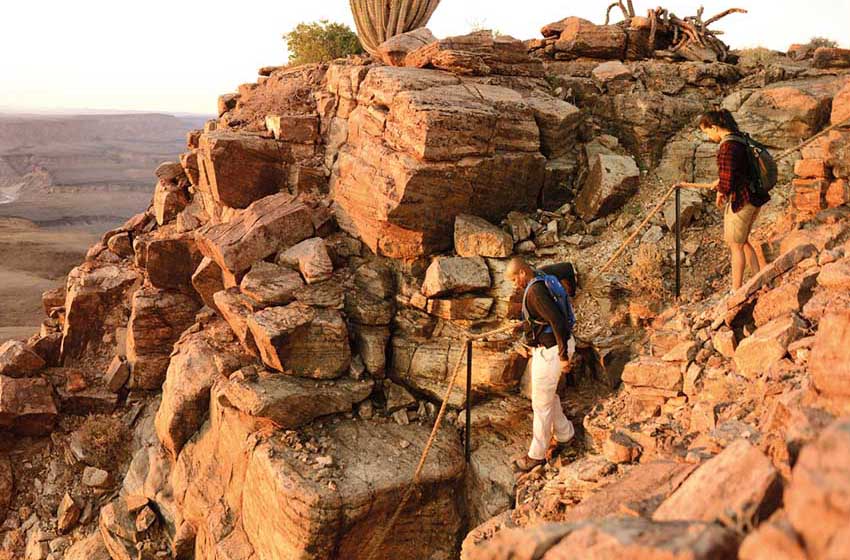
(725,168)
(733,170)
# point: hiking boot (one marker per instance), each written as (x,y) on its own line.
(560,447)
(526,463)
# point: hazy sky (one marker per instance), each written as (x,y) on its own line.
(179,55)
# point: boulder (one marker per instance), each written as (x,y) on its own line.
(788,297)
(653,372)
(236,308)
(612,179)
(771,540)
(620,448)
(264,228)
(366,308)
(68,514)
(269,284)
(394,50)
(199,360)
(835,275)
(370,343)
(480,53)
(52,299)
(829,363)
(92,292)
(476,237)
(841,106)
(89,548)
(828,57)
(811,168)
(691,203)
(740,479)
(767,345)
(27,406)
(168,200)
(611,71)
(609,539)
(816,498)
(17,360)
(837,193)
(170,262)
(455,275)
(157,320)
(189,161)
(296,128)
(238,169)
(301,340)
(582,38)
(809,195)
(558,122)
(117,374)
(207,281)
(373,470)
(291,402)
(460,309)
(311,258)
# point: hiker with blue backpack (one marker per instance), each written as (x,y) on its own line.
(746,173)
(549,321)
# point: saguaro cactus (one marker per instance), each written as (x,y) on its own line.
(378,20)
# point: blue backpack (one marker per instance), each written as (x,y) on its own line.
(558,293)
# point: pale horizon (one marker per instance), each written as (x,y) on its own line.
(178,57)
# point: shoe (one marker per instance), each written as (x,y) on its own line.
(560,447)
(526,463)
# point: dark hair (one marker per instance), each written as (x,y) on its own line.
(722,118)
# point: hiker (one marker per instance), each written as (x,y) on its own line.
(735,193)
(549,320)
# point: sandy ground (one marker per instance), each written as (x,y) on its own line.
(42,237)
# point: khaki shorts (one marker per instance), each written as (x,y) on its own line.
(737,225)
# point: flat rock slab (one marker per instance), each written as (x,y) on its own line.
(647,371)
(613,539)
(455,275)
(740,479)
(289,513)
(273,223)
(291,402)
(769,344)
(269,284)
(27,406)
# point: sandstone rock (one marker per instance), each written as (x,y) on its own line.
(16,360)
(157,320)
(268,284)
(772,540)
(370,342)
(89,548)
(300,129)
(741,479)
(581,38)
(455,275)
(301,340)
(376,278)
(118,530)
(782,300)
(238,169)
(620,448)
(811,168)
(394,50)
(683,352)
(479,53)
(92,291)
(171,262)
(95,478)
(68,514)
(189,161)
(613,538)
(612,179)
(207,281)
(117,375)
(837,193)
(829,363)
(476,237)
(691,203)
(291,402)
(653,372)
(809,195)
(236,309)
(51,299)
(835,275)
(611,71)
(121,245)
(169,200)
(264,228)
(311,258)
(461,309)
(841,105)
(758,352)
(816,498)
(558,122)
(373,471)
(724,342)
(27,406)
(198,361)
(827,57)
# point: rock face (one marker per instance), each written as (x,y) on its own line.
(815,499)
(829,364)
(611,180)
(434,136)
(740,477)
(368,491)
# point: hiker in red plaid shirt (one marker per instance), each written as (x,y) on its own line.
(741,203)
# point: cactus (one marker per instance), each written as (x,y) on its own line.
(378,20)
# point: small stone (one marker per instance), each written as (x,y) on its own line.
(145,519)
(68,514)
(725,344)
(325,461)
(401,418)
(365,410)
(135,503)
(95,478)
(117,375)
(620,448)
(404,444)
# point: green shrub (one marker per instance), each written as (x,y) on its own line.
(321,41)
(816,42)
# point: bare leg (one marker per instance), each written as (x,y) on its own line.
(752,258)
(738,263)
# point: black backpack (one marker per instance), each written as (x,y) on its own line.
(763,166)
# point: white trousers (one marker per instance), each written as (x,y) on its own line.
(548,415)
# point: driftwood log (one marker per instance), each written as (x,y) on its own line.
(691,37)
